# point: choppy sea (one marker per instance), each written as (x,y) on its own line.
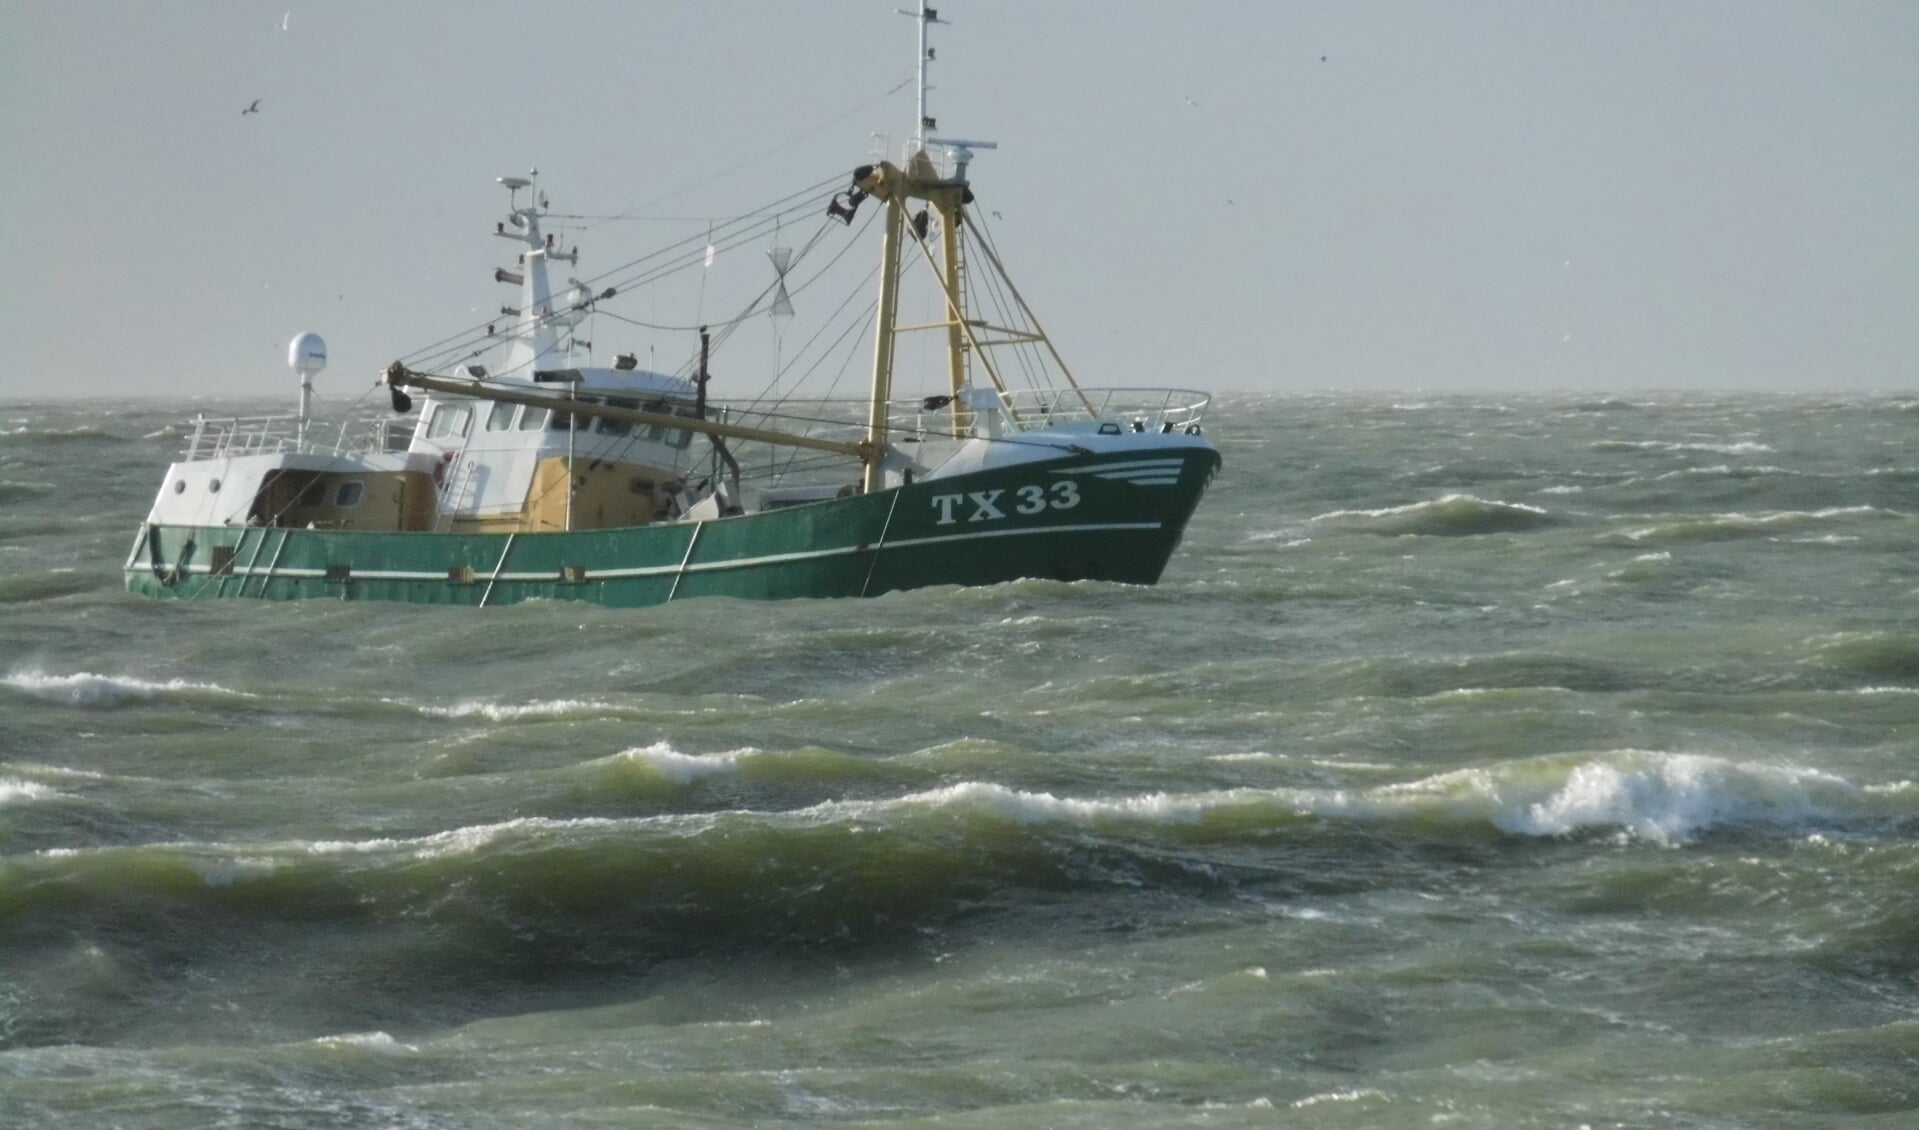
(1480,761)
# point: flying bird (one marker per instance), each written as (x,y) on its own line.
(252,109)
(284,19)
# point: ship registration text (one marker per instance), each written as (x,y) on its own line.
(988,505)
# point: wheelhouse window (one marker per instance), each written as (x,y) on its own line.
(654,432)
(533,419)
(501,418)
(563,420)
(449,421)
(349,494)
(616,427)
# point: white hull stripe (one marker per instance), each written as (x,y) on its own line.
(1102,469)
(669,570)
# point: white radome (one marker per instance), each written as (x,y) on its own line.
(307,354)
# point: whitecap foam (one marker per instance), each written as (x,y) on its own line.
(1022,807)
(1668,798)
(685,768)
(223,863)
(1427,506)
(1360,1094)
(88,689)
(367,1041)
(454,841)
(15,791)
(507,712)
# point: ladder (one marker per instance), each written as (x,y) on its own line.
(456,492)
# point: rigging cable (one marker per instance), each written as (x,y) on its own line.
(811,194)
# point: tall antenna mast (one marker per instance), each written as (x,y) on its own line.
(927,16)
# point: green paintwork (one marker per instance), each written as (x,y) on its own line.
(1111,529)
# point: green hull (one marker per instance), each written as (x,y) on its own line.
(1082,519)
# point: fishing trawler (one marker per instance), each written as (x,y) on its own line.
(530,473)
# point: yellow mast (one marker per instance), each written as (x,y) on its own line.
(895,186)
(947,202)
(886,181)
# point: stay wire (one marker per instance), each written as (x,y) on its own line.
(806,198)
(490,342)
(787,144)
(447,347)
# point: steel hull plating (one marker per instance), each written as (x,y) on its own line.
(1079,519)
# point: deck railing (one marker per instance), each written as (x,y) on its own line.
(231,436)
(1154,409)
(1157,407)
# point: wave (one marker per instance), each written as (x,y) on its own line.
(1659,797)
(1662,798)
(87,689)
(1454,515)
(1733,526)
(59,435)
(1621,446)
(1722,471)
(23,588)
(11,491)
(547,903)
(1646,568)
(1874,655)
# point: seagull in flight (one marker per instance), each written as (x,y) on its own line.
(251,109)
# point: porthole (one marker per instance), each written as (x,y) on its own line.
(179,486)
(213,486)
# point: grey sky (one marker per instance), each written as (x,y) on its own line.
(1459,196)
